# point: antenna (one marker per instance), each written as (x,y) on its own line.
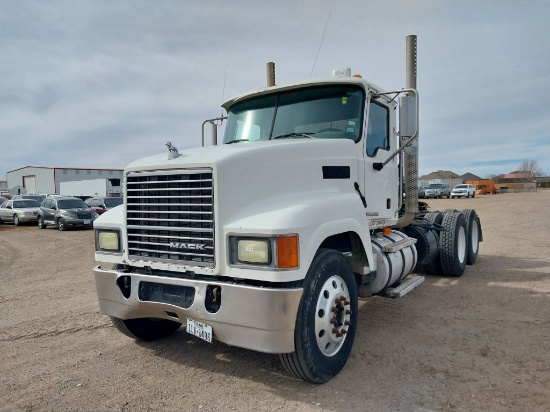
(223,90)
(320,44)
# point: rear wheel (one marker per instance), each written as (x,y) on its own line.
(473,229)
(326,320)
(433,267)
(146,329)
(453,244)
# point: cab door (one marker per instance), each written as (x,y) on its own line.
(381,186)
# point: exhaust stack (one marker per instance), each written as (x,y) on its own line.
(270,67)
(410,153)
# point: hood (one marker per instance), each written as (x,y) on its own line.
(249,174)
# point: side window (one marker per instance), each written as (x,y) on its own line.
(378,129)
(47,204)
(4,204)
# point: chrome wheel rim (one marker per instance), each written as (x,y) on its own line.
(332,316)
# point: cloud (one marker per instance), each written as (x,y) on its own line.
(99,84)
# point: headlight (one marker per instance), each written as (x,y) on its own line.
(95,215)
(279,252)
(107,240)
(253,251)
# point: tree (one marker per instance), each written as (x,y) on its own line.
(528,170)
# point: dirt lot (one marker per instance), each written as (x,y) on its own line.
(479,342)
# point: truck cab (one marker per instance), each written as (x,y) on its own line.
(267,240)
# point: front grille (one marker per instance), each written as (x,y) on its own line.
(170,216)
(84,215)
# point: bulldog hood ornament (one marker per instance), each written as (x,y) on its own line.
(172,151)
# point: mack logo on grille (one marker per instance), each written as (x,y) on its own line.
(192,246)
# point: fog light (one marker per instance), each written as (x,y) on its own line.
(253,251)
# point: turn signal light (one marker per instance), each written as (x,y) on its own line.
(287,252)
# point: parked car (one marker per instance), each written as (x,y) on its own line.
(464,190)
(101,204)
(421,192)
(19,211)
(438,190)
(38,198)
(65,212)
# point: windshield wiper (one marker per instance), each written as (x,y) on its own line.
(237,141)
(310,135)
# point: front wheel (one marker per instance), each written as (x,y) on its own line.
(16,221)
(41,224)
(326,320)
(61,224)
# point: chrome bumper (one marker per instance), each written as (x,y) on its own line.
(261,319)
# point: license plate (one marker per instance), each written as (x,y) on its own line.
(200,330)
(87,221)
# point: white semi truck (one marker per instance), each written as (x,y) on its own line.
(267,240)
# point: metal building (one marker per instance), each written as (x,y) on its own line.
(46,180)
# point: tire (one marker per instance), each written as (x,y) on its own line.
(41,224)
(16,221)
(453,244)
(326,320)
(61,224)
(473,195)
(433,267)
(145,329)
(473,229)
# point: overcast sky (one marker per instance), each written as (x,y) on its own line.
(102,83)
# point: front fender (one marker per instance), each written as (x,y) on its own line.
(314,218)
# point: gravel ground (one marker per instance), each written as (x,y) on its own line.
(479,342)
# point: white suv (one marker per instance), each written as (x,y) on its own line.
(464,190)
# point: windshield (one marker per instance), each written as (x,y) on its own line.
(334,112)
(22,204)
(71,204)
(461,187)
(113,202)
(435,186)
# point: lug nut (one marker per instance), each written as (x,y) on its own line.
(343,331)
(348,312)
(342,297)
(337,301)
(346,302)
(333,309)
(334,330)
(332,320)
(347,323)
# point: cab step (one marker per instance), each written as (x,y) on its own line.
(404,287)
